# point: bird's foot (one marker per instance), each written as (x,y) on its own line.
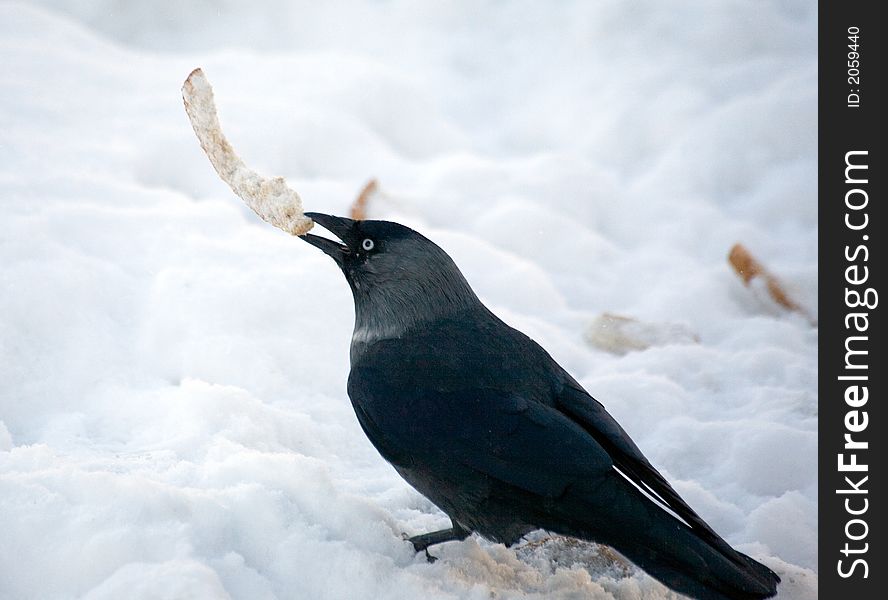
(422,542)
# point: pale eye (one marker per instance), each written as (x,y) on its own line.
(367,244)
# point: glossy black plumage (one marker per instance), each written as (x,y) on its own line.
(483,422)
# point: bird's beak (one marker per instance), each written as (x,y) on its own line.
(338,226)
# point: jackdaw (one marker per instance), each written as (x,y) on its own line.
(485,424)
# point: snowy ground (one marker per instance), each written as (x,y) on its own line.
(173,417)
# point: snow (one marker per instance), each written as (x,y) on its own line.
(173,416)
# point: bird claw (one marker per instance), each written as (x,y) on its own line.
(423,541)
(419,547)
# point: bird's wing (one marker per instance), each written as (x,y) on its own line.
(591,415)
(528,445)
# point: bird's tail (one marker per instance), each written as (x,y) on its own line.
(696,563)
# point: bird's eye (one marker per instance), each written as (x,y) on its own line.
(367,244)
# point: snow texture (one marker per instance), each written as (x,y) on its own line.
(271,199)
(173,415)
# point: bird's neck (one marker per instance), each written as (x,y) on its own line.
(390,312)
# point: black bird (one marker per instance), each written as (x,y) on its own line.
(484,423)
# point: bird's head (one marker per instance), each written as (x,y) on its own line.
(398,277)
